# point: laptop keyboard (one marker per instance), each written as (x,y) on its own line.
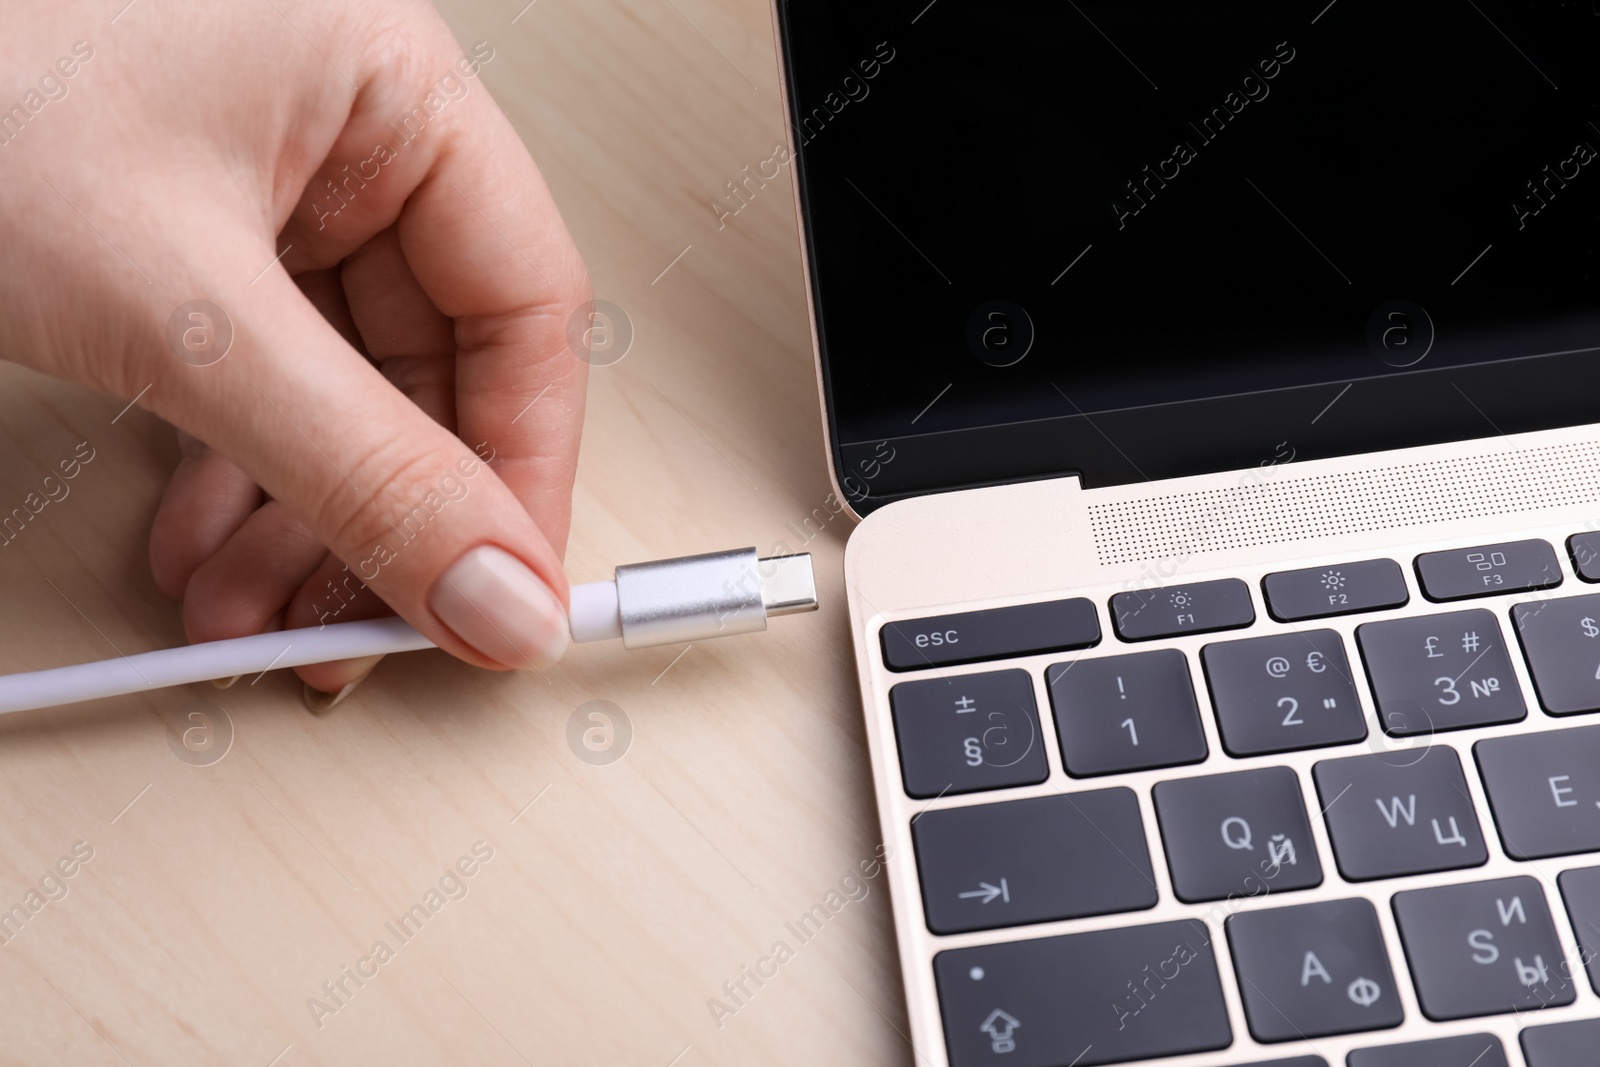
(1228,832)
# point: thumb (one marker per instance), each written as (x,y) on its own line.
(416,514)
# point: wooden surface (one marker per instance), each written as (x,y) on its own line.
(219,898)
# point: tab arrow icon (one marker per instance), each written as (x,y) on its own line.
(989,892)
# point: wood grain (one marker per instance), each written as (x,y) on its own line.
(220,898)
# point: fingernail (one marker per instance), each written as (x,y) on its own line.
(497,605)
(224,683)
(317,702)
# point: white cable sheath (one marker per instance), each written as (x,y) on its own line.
(259,653)
(213,659)
(662,602)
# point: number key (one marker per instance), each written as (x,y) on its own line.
(968,733)
(1561,638)
(1440,672)
(1284,692)
(1126,713)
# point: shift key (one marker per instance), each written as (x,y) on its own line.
(995,633)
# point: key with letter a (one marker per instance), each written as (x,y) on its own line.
(1313,970)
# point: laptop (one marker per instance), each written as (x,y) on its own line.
(1219,388)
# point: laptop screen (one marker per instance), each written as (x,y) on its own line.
(1140,240)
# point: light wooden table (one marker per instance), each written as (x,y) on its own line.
(219,898)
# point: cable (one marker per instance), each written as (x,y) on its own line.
(667,601)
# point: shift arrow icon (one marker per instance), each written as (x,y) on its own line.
(989,892)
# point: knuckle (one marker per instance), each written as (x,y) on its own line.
(389,489)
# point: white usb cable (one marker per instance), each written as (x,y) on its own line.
(667,601)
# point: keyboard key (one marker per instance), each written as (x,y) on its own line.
(1126,713)
(1237,835)
(996,633)
(1561,638)
(1341,589)
(1297,1061)
(1284,692)
(1313,970)
(1488,570)
(1488,948)
(1581,890)
(1470,1050)
(1196,608)
(1029,861)
(967,733)
(1440,672)
(1044,1003)
(1403,812)
(1545,791)
(1562,1044)
(1584,549)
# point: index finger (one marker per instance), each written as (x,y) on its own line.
(485,240)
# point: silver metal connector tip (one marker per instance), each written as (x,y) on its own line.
(788,585)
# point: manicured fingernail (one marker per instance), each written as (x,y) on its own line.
(497,605)
(317,702)
(224,683)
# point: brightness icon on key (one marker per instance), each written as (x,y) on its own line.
(1332,580)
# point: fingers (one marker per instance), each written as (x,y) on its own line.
(333,594)
(519,386)
(427,149)
(242,588)
(410,339)
(206,502)
(402,501)
(395,495)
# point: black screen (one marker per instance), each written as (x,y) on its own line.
(1139,240)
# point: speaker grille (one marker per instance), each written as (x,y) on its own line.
(1271,509)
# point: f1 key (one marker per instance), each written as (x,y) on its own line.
(1195,608)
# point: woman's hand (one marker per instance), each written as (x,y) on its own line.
(397,412)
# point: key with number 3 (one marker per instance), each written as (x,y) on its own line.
(1440,672)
